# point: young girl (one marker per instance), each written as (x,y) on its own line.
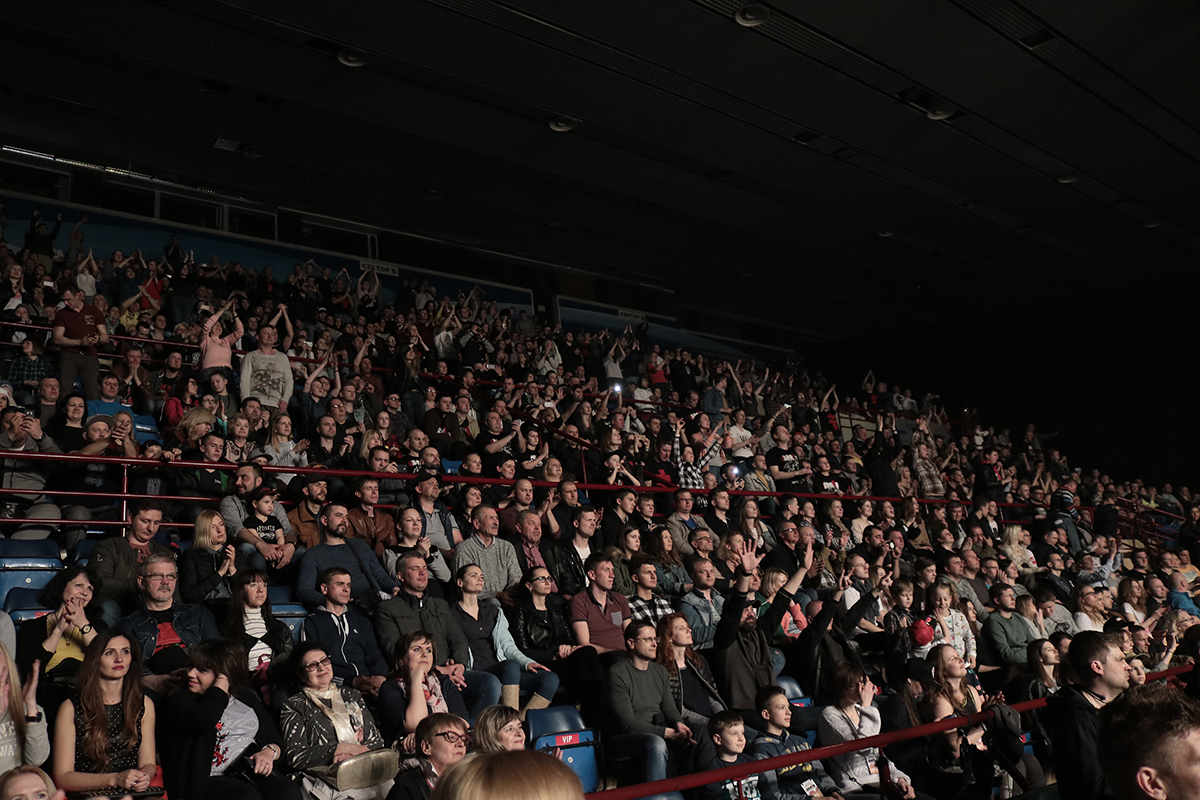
(104,735)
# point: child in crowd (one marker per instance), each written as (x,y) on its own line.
(728,734)
(261,520)
(800,780)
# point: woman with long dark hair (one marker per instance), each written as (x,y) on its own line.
(221,741)
(104,734)
(268,641)
(692,682)
(673,579)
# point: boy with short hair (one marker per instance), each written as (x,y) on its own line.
(728,733)
(261,519)
(800,780)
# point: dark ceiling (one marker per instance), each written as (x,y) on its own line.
(796,157)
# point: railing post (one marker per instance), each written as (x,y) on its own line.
(124,491)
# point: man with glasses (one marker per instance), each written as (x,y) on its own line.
(641,700)
(116,559)
(78,328)
(164,628)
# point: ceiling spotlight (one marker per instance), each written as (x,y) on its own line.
(1067,178)
(433,194)
(887,233)
(352,57)
(752,15)
(1153,223)
(253,151)
(942,111)
(562,123)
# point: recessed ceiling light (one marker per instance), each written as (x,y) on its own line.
(562,123)
(942,111)
(887,233)
(1067,178)
(352,57)
(433,194)
(1152,223)
(752,15)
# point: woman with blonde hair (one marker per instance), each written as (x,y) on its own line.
(498,730)
(26,783)
(523,775)
(23,728)
(1090,616)
(1016,547)
(949,624)
(283,451)
(208,567)
(191,429)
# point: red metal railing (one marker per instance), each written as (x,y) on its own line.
(880,740)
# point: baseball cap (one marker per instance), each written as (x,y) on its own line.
(94,418)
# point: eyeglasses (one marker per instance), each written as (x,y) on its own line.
(163,576)
(454,737)
(313,666)
(542,578)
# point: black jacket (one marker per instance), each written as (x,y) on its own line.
(410,785)
(1073,724)
(742,659)
(539,639)
(198,573)
(566,567)
(815,647)
(188,739)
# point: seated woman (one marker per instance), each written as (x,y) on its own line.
(401,710)
(542,634)
(221,741)
(55,643)
(493,649)
(962,757)
(441,742)
(104,734)
(673,579)
(409,533)
(852,717)
(692,682)
(268,641)
(208,567)
(631,545)
(24,735)
(325,724)
(498,730)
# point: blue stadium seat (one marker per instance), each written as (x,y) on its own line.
(793,692)
(279,595)
(23,579)
(292,615)
(29,554)
(21,599)
(22,615)
(145,429)
(81,553)
(561,727)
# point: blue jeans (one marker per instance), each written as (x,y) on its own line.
(510,674)
(482,690)
(649,747)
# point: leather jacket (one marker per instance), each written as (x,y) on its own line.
(379,532)
(535,635)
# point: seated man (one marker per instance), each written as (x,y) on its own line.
(164,628)
(347,634)
(702,606)
(109,401)
(274,544)
(352,555)
(374,526)
(304,518)
(116,559)
(23,433)
(412,609)
(598,615)
(645,603)
(208,484)
(495,556)
(1006,632)
(644,711)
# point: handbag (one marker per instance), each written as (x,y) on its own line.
(366,601)
(361,771)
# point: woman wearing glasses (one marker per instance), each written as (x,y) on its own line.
(326,724)
(442,741)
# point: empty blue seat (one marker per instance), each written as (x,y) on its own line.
(23,579)
(292,615)
(29,554)
(279,594)
(793,692)
(561,727)
(81,553)
(20,599)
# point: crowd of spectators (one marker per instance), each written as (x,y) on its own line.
(328,427)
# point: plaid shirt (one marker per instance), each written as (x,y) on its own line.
(929,477)
(24,369)
(651,610)
(691,476)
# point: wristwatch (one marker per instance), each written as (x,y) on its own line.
(35,718)
(86,629)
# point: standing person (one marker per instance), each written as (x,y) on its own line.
(104,735)
(1072,715)
(221,741)
(266,373)
(325,724)
(216,346)
(78,328)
